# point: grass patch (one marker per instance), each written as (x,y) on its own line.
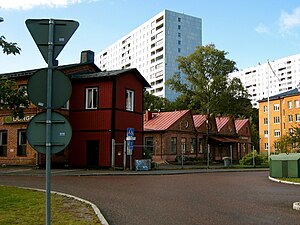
(19,206)
(290,179)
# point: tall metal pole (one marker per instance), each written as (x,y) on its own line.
(49,121)
(269,144)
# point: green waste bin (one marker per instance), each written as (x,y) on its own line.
(285,165)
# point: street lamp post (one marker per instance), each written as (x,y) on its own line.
(269,142)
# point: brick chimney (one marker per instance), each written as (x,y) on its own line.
(148,116)
(87,56)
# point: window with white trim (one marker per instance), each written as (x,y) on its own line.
(290,118)
(91,98)
(129,100)
(265,108)
(276,119)
(265,120)
(266,133)
(276,133)
(266,146)
(297,117)
(290,104)
(297,104)
(276,107)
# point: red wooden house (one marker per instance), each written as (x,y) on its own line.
(102,106)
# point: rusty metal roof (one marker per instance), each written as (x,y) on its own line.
(199,120)
(239,123)
(163,120)
(221,122)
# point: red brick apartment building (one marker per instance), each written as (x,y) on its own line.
(102,106)
(172,134)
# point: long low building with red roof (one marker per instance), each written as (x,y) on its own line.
(169,135)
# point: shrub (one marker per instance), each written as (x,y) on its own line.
(259,159)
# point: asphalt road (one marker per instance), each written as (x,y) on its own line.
(233,198)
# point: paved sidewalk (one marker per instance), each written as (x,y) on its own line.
(163,169)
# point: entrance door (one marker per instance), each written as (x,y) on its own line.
(92,153)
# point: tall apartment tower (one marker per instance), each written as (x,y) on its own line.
(266,80)
(153,48)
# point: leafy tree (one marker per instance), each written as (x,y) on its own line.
(289,142)
(13,97)
(209,89)
(154,103)
(9,47)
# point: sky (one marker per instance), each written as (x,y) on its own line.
(250,31)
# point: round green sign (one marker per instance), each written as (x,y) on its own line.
(61,132)
(37,89)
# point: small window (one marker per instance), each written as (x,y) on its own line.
(265,120)
(276,107)
(3,143)
(276,133)
(290,118)
(129,100)
(276,119)
(297,117)
(265,108)
(297,104)
(149,145)
(183,145)
(266,146)
(266,133)
(91,98)
(22,143)
(173,145)
(290,104)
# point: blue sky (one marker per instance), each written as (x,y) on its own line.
(251,31)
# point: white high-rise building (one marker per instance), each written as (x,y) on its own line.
(278,77)
(153,48)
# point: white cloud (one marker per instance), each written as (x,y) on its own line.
(29,4)
(288,21)
(261,28)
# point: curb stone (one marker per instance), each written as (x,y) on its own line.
(296,205)
(95,208)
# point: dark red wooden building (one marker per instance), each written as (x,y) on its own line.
(102,106)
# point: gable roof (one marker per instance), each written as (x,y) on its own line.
(221,122)
(111,73)
(239,123)
(163,120)
(199,120)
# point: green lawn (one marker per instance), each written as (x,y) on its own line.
(19,206)
(295,180)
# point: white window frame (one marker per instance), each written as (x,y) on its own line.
(276,119)
(129,100)
(297,105)
(290,117)
(266,146)
(297,117)
(276,107)
(91,98)
(266,133)
(276,133)
(265,108)
(265,121)
(290,104)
